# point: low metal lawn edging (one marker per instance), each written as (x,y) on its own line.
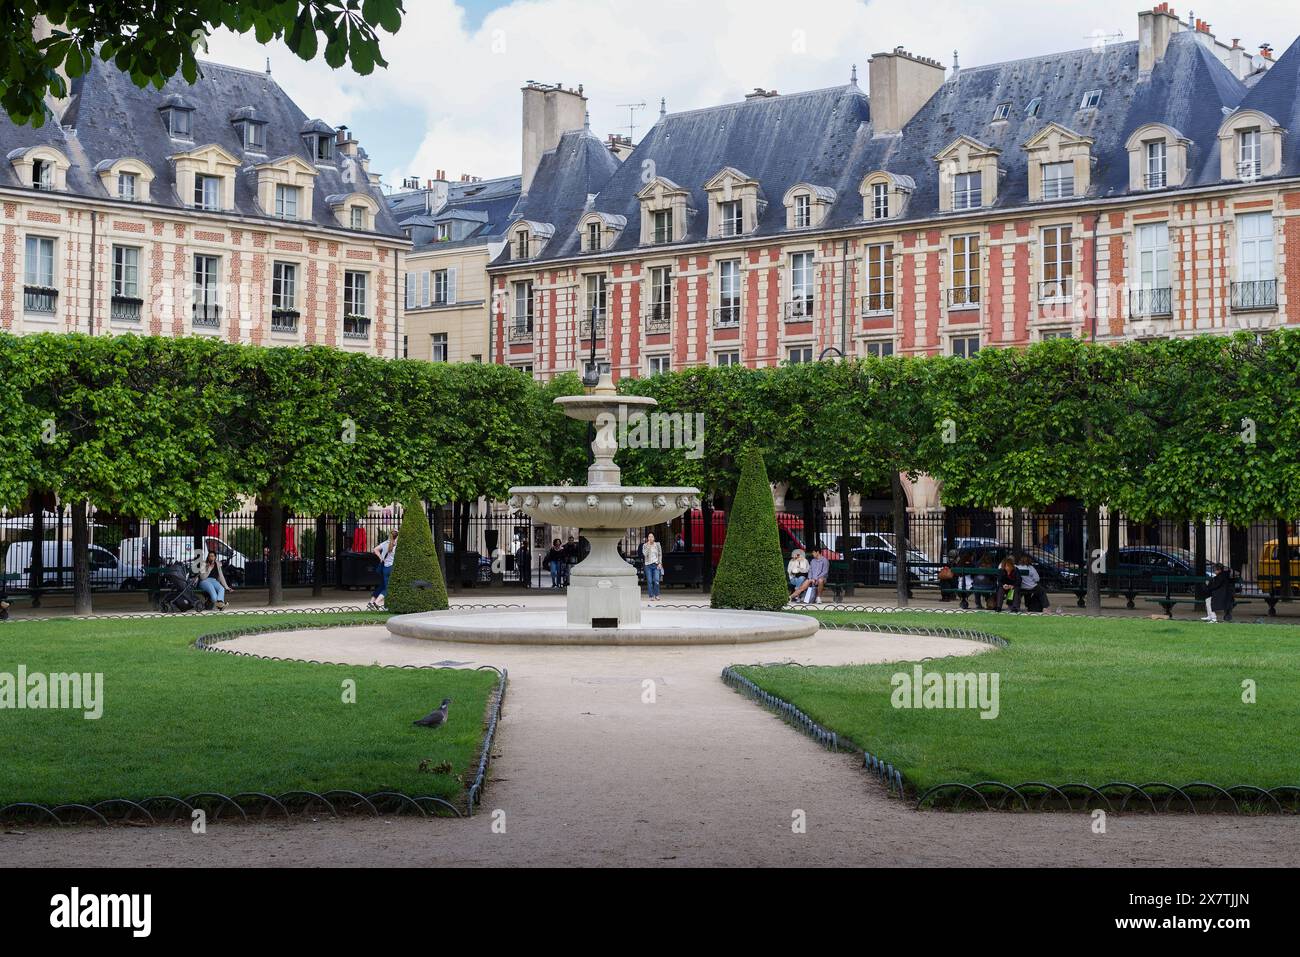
(1113,797)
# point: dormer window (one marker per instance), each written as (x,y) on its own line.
(1001,112)
(1058,180)
(207,191)
(663,226)
(318,136)
(731,220)
(885,195)
(126,179)
(178,123)
(806,205)
(521,244)
(42,174)
(324,149)
(127,186)
(593,237)
(351,210)
(1249,154)
(254,136)
(357,218)
(1250,146)
(286,201)
(1156,173)
(880,201)
(967,191)
(442,232)
(802,211)
(665,208)
(735,203)
(1157,157)
(1091,100)
(1032,109)
(968,175)
(1060,163)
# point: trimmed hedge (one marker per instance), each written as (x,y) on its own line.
(751,574)
(417,560)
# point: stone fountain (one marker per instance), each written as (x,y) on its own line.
(603,604)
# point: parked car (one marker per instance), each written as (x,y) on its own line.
(1270,569)
(920,570)
(105,570)
(133,554)
(1139,563)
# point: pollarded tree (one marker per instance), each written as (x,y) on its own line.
(751,574)
(416,583)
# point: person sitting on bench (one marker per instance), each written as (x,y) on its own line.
(1031,586)
(819,570)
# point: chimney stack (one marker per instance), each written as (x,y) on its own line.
(548,113)
(1155,27)
(898,85)
(41,28)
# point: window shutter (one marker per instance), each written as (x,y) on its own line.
(451,284)
(410,290)
(424,288)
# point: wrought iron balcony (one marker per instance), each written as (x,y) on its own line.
(521,329)
(658,320)
(877,302)
(799,310)
(356,327)
(963,296)
(727,316)
(124,309)
(584,326)
(1056,290)
(284,320)
(40,299)
(1156,180)
(1151,302)
(1257,294)
(206,316)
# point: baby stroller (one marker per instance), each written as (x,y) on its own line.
(178,590)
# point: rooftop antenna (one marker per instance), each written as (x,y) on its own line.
(631,117)
(956,66)
(853,76)
(663,107)
(268,66)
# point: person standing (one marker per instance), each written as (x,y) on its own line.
(653,555)
(555,563)
(572,555)
(1219,595)
(385,551)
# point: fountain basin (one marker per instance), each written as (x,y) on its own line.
(604,506)
(657,626)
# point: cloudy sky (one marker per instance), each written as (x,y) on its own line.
(450,96)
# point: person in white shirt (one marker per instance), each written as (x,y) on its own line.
(796,570)
(386,551)
(653,554)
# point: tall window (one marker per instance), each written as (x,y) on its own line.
(595,305)
(127,186)
(661,294)
(1249,156)
(524,306)
(801,286)
(729,292)
(1058,263)
(207,191)
(1058,180)
(286,201)
(355,287)
(207,290)
(965,285)
(730,218)
(967,191)
(802,211)
(521,244)
(1157,159)
(1256,285)
(284,286)
(1152,296)
(964,347)
(663,223)
(357,217)
(880,200)
(880,278)
(441,287)
(593,237)
(38,264)
(126,272)
(440,351)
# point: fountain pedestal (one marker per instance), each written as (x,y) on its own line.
(603,589)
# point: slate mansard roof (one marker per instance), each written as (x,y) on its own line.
(825,138)
(478,213)
(109,118)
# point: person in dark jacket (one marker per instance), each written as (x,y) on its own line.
(1008,586)
(555,562)
(1219,592)
(572,555)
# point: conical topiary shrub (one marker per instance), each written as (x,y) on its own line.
(751,573)
(416,561)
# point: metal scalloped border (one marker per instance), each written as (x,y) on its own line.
(336,802)
(1112,797)
(234,612)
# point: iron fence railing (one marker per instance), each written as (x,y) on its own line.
(1151,302)
(798,310)
(658,320)
(40,299)
(124,308)
(205,316)
(726,316)
(1256,294)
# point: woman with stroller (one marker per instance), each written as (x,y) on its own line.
(386,551)
(212,581)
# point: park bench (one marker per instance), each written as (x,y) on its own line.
(955,586)
(1168,600)
(841,580)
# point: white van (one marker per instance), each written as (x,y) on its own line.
(134,554)
(105,570)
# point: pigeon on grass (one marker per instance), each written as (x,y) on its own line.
(435,718)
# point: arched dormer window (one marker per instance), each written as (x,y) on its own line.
(1157,157)
(1060,164)
(599,231)
(885,195)
(251,128)
(354,210)
(665,212)
(128,179)
(968,175)
(1250,146)
(318,136)
(178,116)
(41,167)
(735,203)
(528,238)
(806,205)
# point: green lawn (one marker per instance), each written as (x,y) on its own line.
(1081,700)
(177,720)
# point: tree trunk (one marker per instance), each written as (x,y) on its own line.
(1095,564)
(706,519)
(37,583)
(846,546)
(81,600)
(1017,531)
(901,573)
(318,558)
(275,561)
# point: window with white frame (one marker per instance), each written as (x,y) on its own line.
(594,306)
(1047,334)
(661,295)
(1256,285)
(38,263)
(658,364)
(593,237)
(440,350)
(126,272)
(254,136)
(355,294)
(1001,111)
(880,200)
(964,275)
(42,174)
(207,290)
(178,123)
(967,190)
(964,347)
(1152,297)
(880,278)
(1249,154)
(441,287)
(357,217)
(1091,100)
(284,287)
(801,286)
(286,201)
(207,191)
(729,358)
(729,292)
(1058,263)
(731,220)
(127,186)
(523,316)
(880,348)
(1157,165)
(663,225)
(1058,180)
(802,211)
(800,355)
(521,244)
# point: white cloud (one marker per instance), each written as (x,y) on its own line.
(458,90)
